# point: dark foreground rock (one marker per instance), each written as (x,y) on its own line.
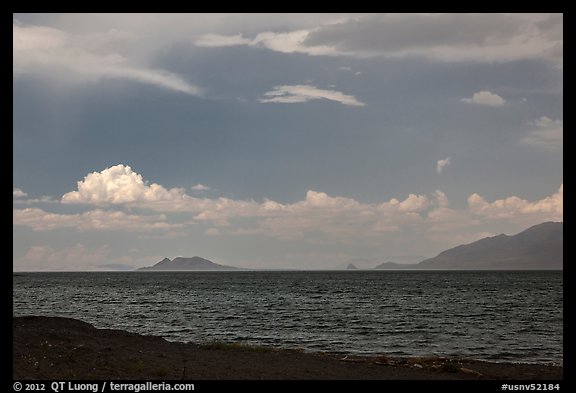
(63,348)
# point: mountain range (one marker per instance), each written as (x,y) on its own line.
(538,247)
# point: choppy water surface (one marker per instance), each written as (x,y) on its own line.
(499,315)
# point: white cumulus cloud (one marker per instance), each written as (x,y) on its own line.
(515,208)
(119,184)
(318,217)
(200,187)
(287,94)
(486,98)
(414,203)
(18,193)
(441,164)
(441,198)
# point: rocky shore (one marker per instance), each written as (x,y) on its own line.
(63,348)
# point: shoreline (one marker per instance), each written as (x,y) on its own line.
(65,348)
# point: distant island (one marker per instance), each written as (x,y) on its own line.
(187,264)
(538,247)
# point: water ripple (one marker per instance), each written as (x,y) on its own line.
(504,316)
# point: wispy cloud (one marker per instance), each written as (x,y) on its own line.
(287,94)
(93,220)
(549,134)
(441,164)
(444,37)
(76,257)
(486,98)
(286,42)
(19,197)
(218,40)
(32,201)
(51,52)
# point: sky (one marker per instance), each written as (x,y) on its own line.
(304,141)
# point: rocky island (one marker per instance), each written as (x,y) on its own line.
(187,264)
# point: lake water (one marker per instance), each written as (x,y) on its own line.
(491,315)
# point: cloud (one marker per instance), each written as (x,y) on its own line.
(349,69)
(212,231)
(441,164)
(76,257)
(32,201)
(337,219)
(414,203)
(119,184)
(549,134)
(318,212)
(446,219)
(514,208)
(442,222)
(50,52)
(302,93)
(319,217)
(546,122)
(458,237)
(218,40)
(94,220)
(200,187)
(440,198)
(347,220)
(286,42)
(18,193)
(443,37)
(485,98)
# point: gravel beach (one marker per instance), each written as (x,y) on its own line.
(63,348)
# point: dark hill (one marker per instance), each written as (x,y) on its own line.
(538,247)
(187,264)
(394,265)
